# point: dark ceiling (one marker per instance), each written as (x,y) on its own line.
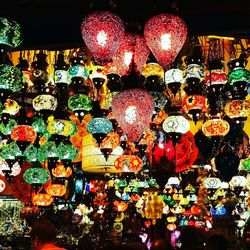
(55,24)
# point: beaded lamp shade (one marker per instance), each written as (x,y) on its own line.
(165,35)
(10,33)
(94,161)
(133,109)
(132,46)
(102,33)
(128,163)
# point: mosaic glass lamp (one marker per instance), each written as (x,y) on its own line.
(36,176)
(56,190)
(44,102)
(215,127)
(42,199)
(23,133)
(102,33)
(128,163)
(176,124)
(165,35)
(47,150)
(60,171)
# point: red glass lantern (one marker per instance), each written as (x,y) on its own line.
(133,109)
(23,133)
(165,35)
(132,46)
(102,32)
(128,163)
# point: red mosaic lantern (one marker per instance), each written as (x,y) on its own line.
(132,46)
(133,109)
(165,35)
(102,32)
(23,133)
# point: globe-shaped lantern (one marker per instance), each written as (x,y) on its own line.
(36,176)
(133,109)
(102,33)
(128,163)
(165,35)
(133,46)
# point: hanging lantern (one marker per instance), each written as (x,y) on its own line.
(94,161)
(80,102)
(56,190)
(131,46)
(237,108)
(36,176)
(194,105)
(212,183)
(128,163)
(133,109)
(10,33)
(176,124)
(11,107)
(42,199)
(44,102)
(102,33)
(216,77)
(60,171)
(215,127)
(153,69)
(120,206)
(165,35)
(23,133)
(173,79)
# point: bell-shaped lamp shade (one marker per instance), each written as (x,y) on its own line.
(132,46)
(133,110)
(102,33)
(94,161)
(128,163)
(165,35)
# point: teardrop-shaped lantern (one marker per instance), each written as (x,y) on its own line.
(133,109)
(132,46)
(102,32)
(165,35)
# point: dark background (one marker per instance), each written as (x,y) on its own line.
(55,24)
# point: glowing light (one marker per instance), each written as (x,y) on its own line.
(102,38)
(130,114)
(128,57)
(166,41)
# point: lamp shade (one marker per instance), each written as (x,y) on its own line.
(133,109)
(94,161)
(44,102)
(176,124)
(42,199)
(57,190)
(60,171)
(80,102)
(165,35)
(99,125)
(237,108)
(128,163)
(153,69)
(23,133)
(61,127)
(102,33)
(36,176)
(132,46)
(215,127)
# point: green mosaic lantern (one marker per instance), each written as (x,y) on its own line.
(36,176)
(67,151)
(238,75)
(10,33)
(10,78)
(80,102)
(47,150)
(39,125)
(30,153)
(10,151)
(6,129)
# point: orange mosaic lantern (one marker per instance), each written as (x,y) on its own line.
(56,190)
(120,206)
(23,133)
(237,108)
(42,199)
(215,127)
(60,171)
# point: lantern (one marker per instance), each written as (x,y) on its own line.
(60,171)
(128,163)
(36,176)
(173,79)
(94,161)
(44,102)
(133,109)
(132,47)
(215,127)
(237,108)
(42,199)
(102,33)
(176,124)
(165,35)
(11,107)
(57,190)
(79,102)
